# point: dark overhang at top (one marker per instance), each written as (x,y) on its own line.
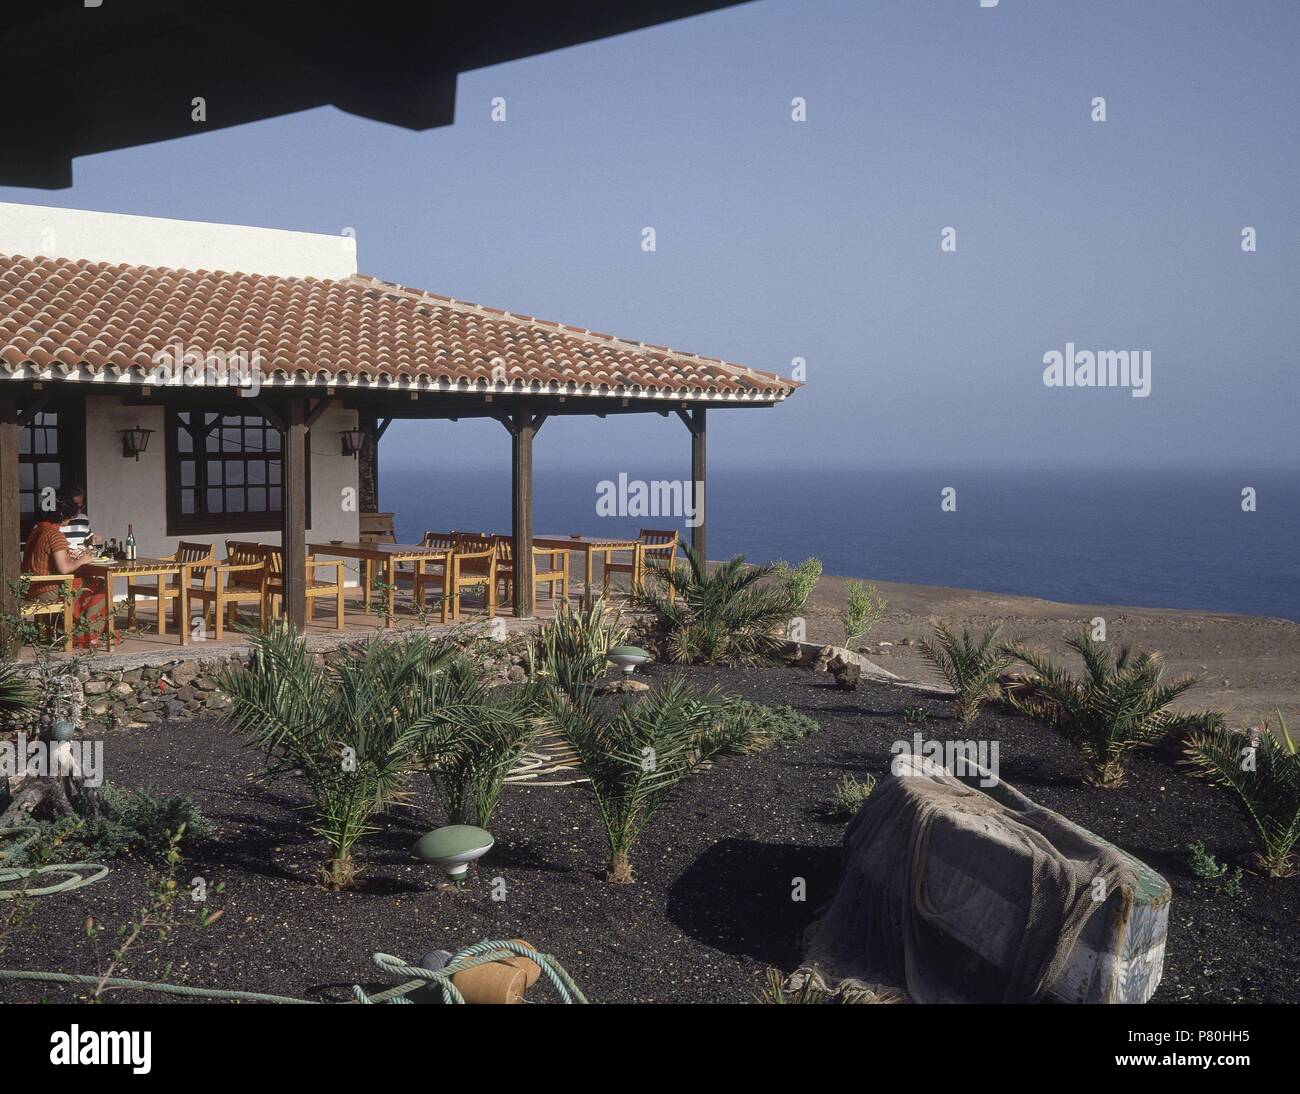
(85,77)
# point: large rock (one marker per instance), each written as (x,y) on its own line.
(961,889)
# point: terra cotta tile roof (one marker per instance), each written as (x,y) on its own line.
(75,319)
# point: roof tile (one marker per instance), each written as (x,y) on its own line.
(63,314)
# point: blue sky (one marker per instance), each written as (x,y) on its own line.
(821,239)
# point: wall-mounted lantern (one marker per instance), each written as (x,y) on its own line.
(135,441)
(353,441)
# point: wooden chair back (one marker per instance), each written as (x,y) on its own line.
(273,558)
(190,554)
(658,544)
(505,548)
(475,559)
(245,549)
(243,553)
(444,541)
(549,560)
(194,552)
(377,528)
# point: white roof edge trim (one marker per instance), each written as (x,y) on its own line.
(419,384)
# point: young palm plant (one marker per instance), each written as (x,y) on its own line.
(729,615)
(350,729)
(1117,704)
(1263,770)
(970,665)
(16,695)
(634,757)
(469,740)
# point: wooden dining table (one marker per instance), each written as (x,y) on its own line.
(588,547)
(109,569)
(385,555)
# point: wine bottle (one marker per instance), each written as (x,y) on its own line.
(130,543)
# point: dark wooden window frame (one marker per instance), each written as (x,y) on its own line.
(71,455)
(203,523)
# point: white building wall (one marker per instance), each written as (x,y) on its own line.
(33,230)
(121,491)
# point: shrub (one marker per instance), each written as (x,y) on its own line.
(970,665)
(1203,864)
(634,757)
(137,823)
(470,740)
(570,651)
(916,716)
(863,609)
(798,582)
(348,729)
(726,616)
(1263,770)
(849,794)
(1206,867)
(743,726)
(1117,704)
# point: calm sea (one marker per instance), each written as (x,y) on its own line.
(1152,539)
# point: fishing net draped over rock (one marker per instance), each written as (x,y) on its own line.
(955,893)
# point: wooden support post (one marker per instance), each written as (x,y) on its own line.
(523,426)
(368,464)
(10,521)
(293,533)
(695,422)
(521,511)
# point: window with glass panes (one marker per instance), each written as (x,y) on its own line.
(50,444)
(223,472)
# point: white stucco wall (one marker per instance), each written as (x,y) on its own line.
(122,491)
(189,244)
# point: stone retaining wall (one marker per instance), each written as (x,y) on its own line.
(122,692)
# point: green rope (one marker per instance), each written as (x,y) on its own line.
(145,985)
(480,953)
(73,877)
(414,978)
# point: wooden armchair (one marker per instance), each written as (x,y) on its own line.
(472,563)
(505,579)
(444,541)
(193,555)
(315,588)
(241,579)
(54,599)
(652,546)
(554,570)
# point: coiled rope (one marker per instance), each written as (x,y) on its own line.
(73,876)
(480,953)
(413,978)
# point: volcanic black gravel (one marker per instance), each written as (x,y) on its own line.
(712,904)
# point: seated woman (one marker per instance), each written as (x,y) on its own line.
(47,553)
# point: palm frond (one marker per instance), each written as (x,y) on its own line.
(1263,770)
(16,694)
(636,756)
(1120,702)
(350,729)
(732,614)
(970,665)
